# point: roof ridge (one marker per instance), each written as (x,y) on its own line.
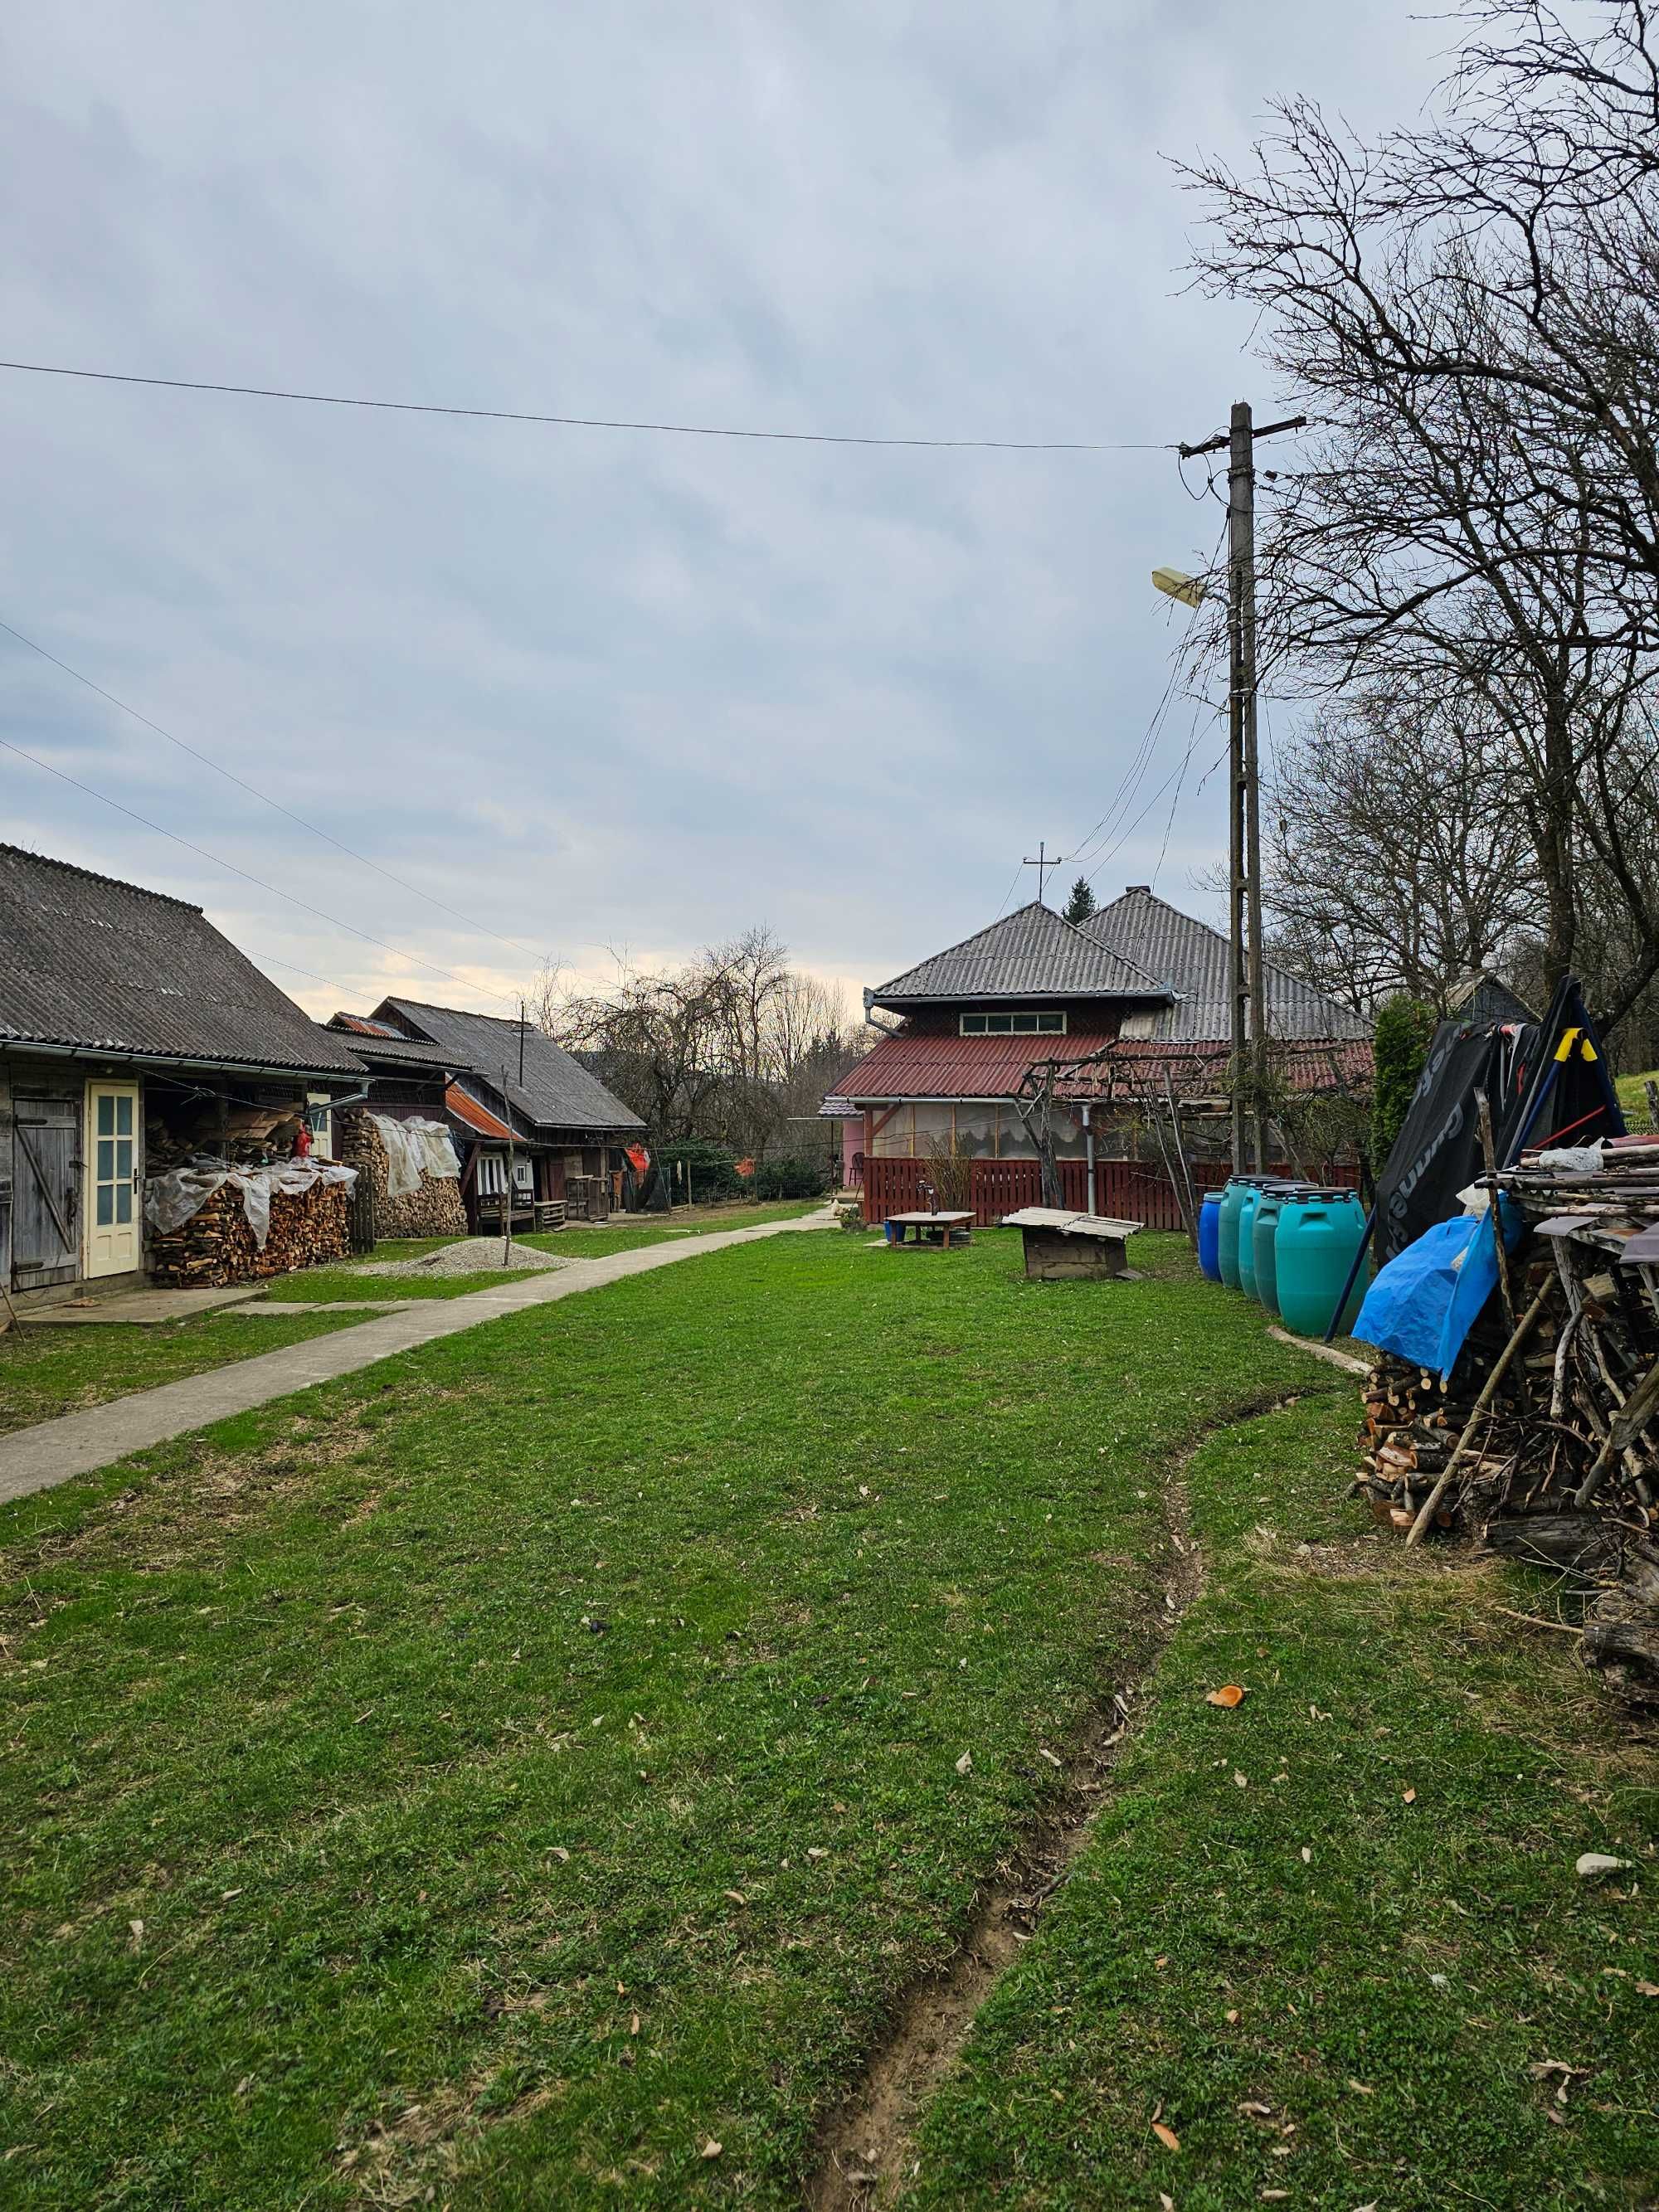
(1196,921)
(96,876)
(985,929)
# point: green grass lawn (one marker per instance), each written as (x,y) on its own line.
(1337,1979)
(1632,1097)
(491,1778)
(327,1286)
(44,1373)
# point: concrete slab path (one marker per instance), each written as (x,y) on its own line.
(54,1451)
(141,1308)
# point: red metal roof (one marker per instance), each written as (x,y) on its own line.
(911,1065)
(919,1066)
(475,1117)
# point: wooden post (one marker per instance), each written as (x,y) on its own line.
(507,1196)
(1489,1391)
(1652,1090)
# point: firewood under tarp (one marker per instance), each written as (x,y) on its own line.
(1543,1442)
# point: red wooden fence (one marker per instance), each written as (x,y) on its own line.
(1131,1190)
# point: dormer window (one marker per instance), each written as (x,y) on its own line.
(1012,1024)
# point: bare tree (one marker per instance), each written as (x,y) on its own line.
(1451,524)
(1391,860)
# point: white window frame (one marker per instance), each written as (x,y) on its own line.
(1025,1021)
(492,1174)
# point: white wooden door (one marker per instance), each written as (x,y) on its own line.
(111,1178)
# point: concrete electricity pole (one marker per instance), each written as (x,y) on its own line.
(1249,1016)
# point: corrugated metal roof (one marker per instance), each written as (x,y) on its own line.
(88,960)
(380,1045)
(556,1092)
(1194,959)
(912,1066)
(1030,954)
(475,1115)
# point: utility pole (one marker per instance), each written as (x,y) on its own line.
(1042,863)
(506,1195)
(1249,1022)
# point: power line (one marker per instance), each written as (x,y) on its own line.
(591,422)
(333,920)
(230,776)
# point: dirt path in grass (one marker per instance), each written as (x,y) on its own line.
(865,2150)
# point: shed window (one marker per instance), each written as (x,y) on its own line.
(492,1174)
(1010,1025)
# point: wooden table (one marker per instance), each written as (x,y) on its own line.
(1060,1246)
(940,1229)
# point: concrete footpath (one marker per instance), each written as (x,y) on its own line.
(35,1459)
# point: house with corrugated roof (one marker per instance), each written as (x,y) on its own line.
(1138,977)
(133,1036)
(519,1107)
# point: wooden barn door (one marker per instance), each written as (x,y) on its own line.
(46,1234)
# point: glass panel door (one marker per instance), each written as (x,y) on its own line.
(112,1216)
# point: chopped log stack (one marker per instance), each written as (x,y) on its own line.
(435,1210)
(1544,1440)
(216,1246)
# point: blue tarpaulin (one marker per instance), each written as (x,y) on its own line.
(1424,1303)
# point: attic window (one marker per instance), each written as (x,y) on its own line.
(1137,1025)
(1013,1025)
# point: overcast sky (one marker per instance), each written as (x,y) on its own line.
(595,689)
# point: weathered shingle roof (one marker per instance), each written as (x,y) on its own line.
(556,1091)
(88,960)
(1029,954)
(1193,958)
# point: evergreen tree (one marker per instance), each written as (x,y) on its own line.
(1405,1026)
(1081,904)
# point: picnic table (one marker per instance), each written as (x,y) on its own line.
(940,1229)
(1060,1245)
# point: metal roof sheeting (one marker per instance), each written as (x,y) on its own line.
(911,1066)
(1194,959)
(89,961)
(476,1117)
(1029,954)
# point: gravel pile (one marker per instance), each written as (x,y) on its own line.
(473,1256)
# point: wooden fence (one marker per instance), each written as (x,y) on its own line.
(1131,1190)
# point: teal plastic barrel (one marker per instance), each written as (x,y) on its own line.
(1247,1213)
(1227,1231)
(1318,1234)
(1264,1231)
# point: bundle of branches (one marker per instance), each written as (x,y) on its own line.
(1545,1438)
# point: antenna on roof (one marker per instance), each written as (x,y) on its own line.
(1042,864)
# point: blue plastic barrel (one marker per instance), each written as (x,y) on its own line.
(1209,1234)
(1318,1234)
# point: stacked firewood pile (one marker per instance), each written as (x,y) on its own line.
(216,1246)
(1544,1440)
(435,1210)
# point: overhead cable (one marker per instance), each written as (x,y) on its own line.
(230,776)
(334,921)
(589,422)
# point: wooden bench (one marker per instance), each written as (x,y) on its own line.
(1061,1246)
(943,1229)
